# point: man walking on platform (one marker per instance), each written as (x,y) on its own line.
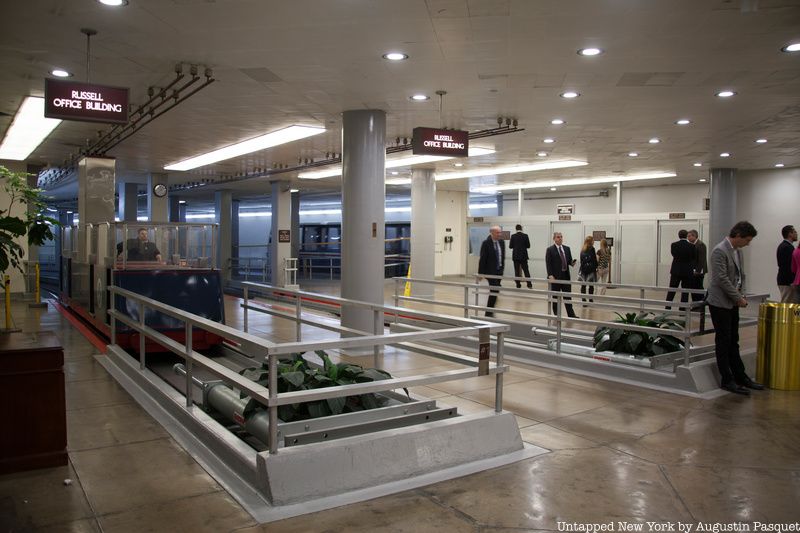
(684,261)
(558,259)
(784,256)
(725,297)
(701,268)
(492,262)
(519,244)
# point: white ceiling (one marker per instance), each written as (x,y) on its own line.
(281,62)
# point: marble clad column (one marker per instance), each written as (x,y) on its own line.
(363,212)
(423,230)
(723,204)
(296,224)
(96,180)
(281,222)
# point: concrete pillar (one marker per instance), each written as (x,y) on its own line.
(96,177)
(363,212)
(175,208)
(723,204)
(222,216)
(423,230)
(128,202)
(157,206)
(296,224)
(281,225)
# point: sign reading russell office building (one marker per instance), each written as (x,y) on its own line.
(70,100)
(448,143)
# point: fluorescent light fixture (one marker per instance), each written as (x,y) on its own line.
(683,121)
(391,163)
(546,184)
(398,181)
(275,138)
(395,173)
(553,188)
(697,164)
(541,154)
(549,140)
(419,97)
(513,169)
(793,47)
(654,140)
(725,154)
(702,180)
(60,73)
(483,206)
(29,129)
(181,201)
(726,94)
(558,121)
(294,190)
(114,3)
(590,51)
(395,56)
(201,215)
(142,219)
(633,154)
(570,94)
(761,141)
(779,165)
(454,164)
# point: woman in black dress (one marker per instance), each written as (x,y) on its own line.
(588,270)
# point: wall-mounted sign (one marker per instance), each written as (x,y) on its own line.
(674,216)
(505,235)
(610,241)
(564,217)
(431,141)
(71,100)
(565,209)
(477,219)
(598,235)
(284,235)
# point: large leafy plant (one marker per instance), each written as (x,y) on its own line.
(621,340)
(297,374)
(33,224)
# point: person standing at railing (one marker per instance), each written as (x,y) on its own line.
(492,262)
(784,256)
(558,259)
(588,268)
(520,243)
(603,265)
(725,297)
(684,262)
(701,268)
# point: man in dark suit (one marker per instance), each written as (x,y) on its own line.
(701,268)
(520,244)
(784,255)
(684,262)
(558,259)
(140,248)
(492,262)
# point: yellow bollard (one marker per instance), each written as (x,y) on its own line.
(37,289)
(407,289)
(7,285)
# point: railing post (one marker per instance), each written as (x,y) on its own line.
(559,314)
(297,313)
(498,385)
(377,329)
(396,293)
(687,329)
(189,343)
(141,336)
(272,408)
(477,291)
(466,301)
(641,300)
(246,303)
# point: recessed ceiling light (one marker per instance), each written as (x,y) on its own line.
(181,201)
(557,122)
(60,73)
(553,188)
(395,173)
(633,154)
(548,140)
(697,164)
(275,138)
(294,190)
(395,56)
(27,131)
(778,165)
(420,97)
(541,154)
(726,94)
(590,51)
(654,140)
(569,94)
(725,154)
(792,47)
(760,141)
(683,122)
(115,3)
(702,180)
(458,164)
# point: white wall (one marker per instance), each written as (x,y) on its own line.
(664,198)
(17,279)
(769,199)
(451,212)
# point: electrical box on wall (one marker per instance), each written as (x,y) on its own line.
(706,204)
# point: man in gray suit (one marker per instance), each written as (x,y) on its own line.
(725,297)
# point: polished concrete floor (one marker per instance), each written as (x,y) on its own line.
(619,453)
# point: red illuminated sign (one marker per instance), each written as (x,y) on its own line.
(70,100)
(448,143)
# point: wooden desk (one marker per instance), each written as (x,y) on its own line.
(33,420)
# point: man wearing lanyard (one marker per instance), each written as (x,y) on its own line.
(725,297)
(558,259)
(492,262)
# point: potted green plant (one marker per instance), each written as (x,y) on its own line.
(33,223)
(621,340)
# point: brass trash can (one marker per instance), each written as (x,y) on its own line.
(778,363)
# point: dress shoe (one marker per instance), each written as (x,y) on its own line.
(489,314)
(736,389)
(750,384)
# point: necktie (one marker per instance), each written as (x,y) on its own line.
(497,253)
(563,258)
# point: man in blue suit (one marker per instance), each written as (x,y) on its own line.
(558,259)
